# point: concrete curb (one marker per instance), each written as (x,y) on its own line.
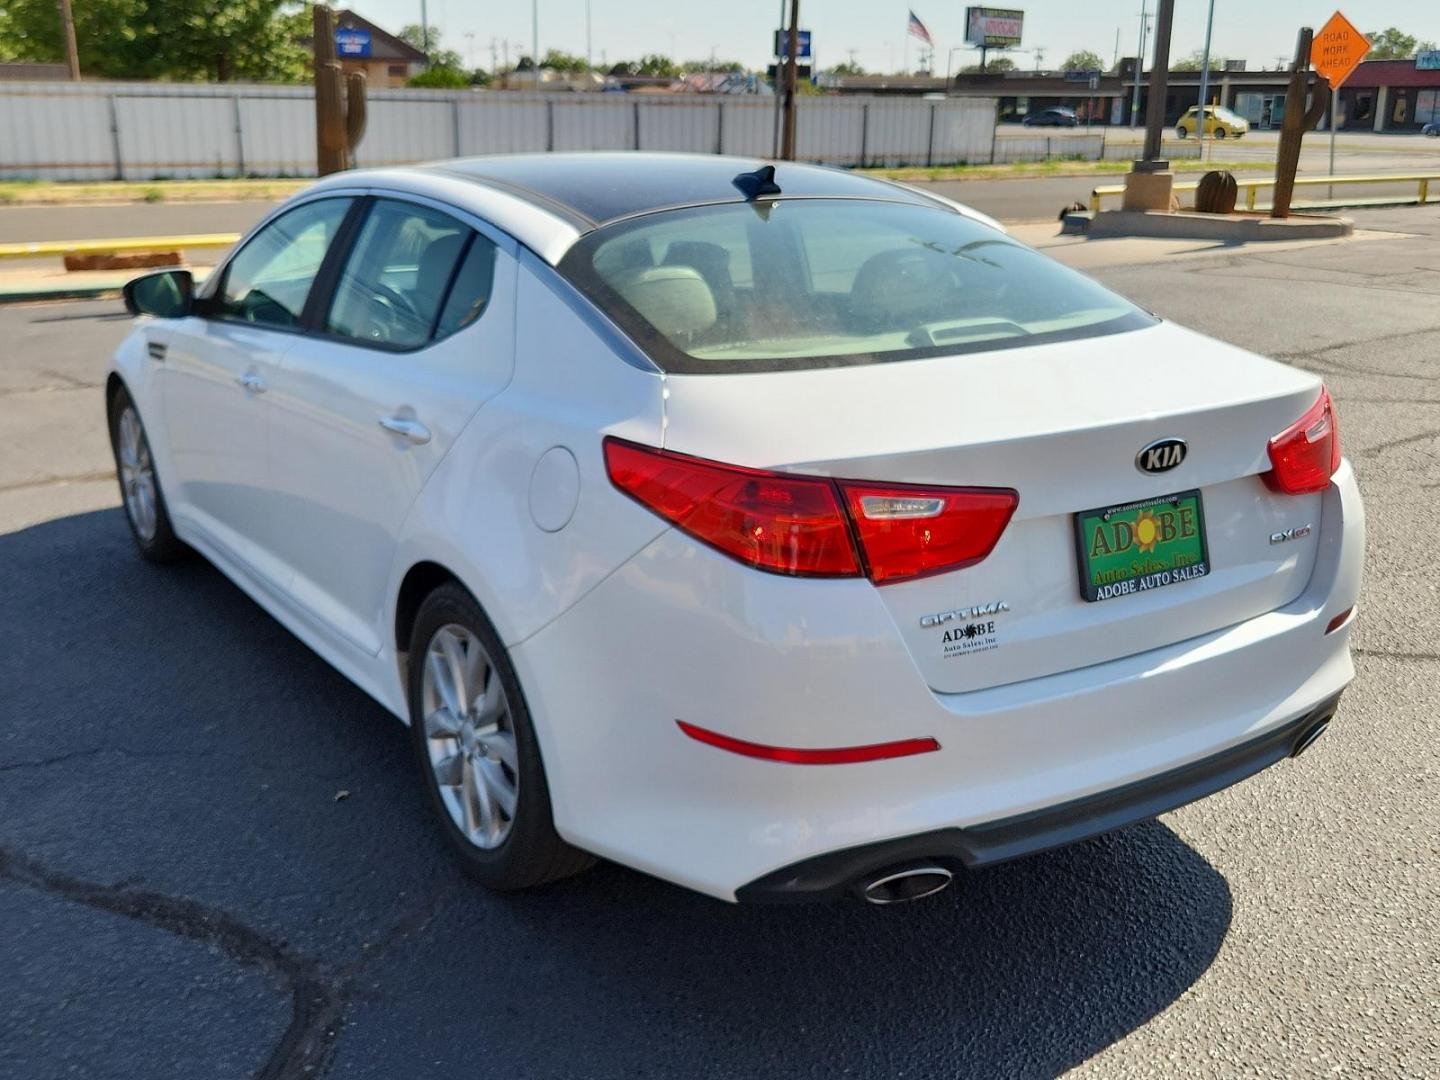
(74,292)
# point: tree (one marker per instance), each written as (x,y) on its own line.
(566,62)
(1394,44)
(1084,60)
(218,40)
(440,77)
(994,66)
(413,34)
(700,67)
(1195,60)
(847,67)
(650,64)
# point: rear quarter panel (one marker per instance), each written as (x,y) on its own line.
(570,389)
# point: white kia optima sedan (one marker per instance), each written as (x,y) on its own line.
(779,532)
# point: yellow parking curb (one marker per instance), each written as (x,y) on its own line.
(42,248)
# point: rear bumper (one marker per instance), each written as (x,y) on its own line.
(681,632)
(969,848)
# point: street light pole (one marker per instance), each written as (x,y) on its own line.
(424,33)
(535,40)
(787,138)
(779,79)
(1205,80)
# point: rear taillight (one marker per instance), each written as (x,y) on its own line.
(808,526)
(1305,455)
(909,532)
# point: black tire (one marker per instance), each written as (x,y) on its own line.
(156,542)
(1181,133)
(531,852)
(1219,133)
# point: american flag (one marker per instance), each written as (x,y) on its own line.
(917,28)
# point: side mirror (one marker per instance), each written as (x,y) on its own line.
(165,294)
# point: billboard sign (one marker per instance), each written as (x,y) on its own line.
(1428,61)
(352,43)
(993,28)
(782,44)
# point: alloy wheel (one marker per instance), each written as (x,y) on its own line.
(470,736)
(137,474)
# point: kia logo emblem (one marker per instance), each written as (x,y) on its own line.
(1162,455)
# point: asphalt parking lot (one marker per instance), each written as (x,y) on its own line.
(215,860)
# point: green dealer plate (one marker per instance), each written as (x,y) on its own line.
(1135,547)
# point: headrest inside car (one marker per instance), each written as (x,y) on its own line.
(673,299)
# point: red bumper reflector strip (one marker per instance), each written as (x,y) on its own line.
(839,755)
(1339,620)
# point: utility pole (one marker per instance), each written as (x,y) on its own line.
(1139,66)
(588,54)
(424,33)
(1159,76)
(535,40)
(72,54)
(787,141)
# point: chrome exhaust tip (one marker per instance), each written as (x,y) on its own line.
(902,886)
(1309,738)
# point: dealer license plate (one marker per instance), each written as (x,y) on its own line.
(1139,546)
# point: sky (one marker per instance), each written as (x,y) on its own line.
(873,31)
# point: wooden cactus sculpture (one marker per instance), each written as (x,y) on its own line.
(1298,119)
(339,101)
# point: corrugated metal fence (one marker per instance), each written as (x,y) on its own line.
(146,131)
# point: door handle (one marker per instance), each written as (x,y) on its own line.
(252,382)
(409,430)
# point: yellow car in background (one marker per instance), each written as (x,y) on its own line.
(1220,123)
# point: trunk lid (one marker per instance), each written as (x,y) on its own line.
(1062,424)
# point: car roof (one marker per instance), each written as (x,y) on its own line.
(548,201)
(598,188)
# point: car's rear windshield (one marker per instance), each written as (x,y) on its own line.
(806,283)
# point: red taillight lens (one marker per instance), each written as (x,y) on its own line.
(798,525)
(785,524)
(909,531)
(1305,455)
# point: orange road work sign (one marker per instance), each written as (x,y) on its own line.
(1337,48)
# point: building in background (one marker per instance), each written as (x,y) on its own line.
(1382,95)
(385,59)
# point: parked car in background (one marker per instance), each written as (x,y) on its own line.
(1220,123)
(1059,116)
(1432,128)
(775,530)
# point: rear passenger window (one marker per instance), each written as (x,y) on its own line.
(470,294)
(406,262)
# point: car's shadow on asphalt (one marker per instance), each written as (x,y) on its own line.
(162,730)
